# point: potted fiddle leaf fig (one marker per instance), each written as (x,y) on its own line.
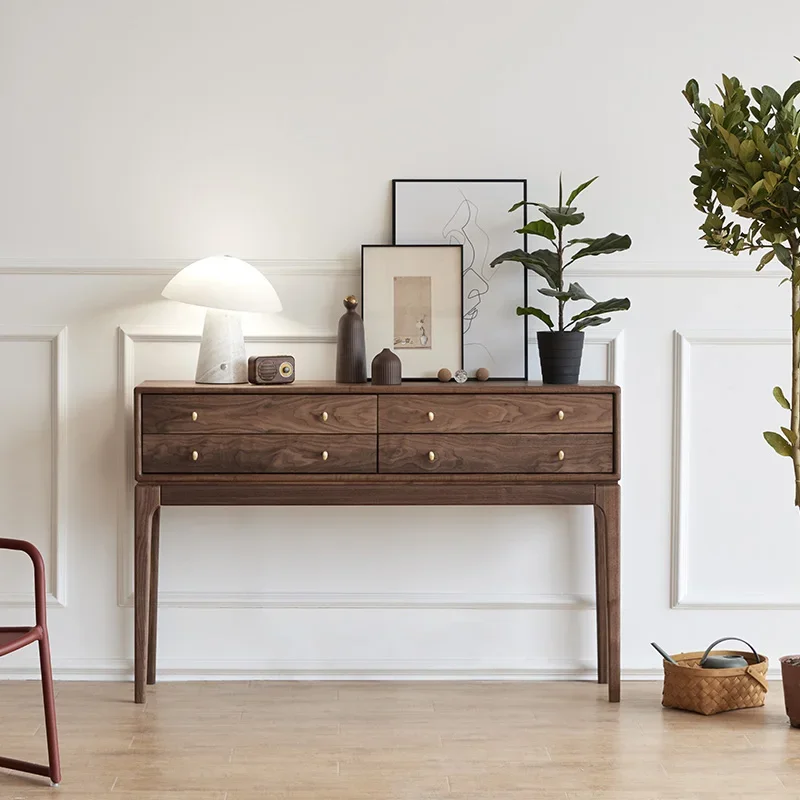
(561,347)
(749,168)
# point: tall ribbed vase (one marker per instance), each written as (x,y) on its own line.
(351,350)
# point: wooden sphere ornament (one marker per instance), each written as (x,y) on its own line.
(444,375)
(482,374)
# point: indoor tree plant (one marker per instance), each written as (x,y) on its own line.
(561,347)
(749,167)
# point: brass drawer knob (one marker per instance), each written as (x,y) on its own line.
(431,456)
(430,416)
(560,455)
(195,455)
(324,455)
(194,416)
(324,416)
(560,414)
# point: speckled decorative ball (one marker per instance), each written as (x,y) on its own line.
(482,374)
(460,376)
(444,375)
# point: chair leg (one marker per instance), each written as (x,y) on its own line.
(49,697)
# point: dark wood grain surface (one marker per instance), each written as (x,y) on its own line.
(242,413)
(608,520)
(329,387)
(428,492)
(496,413)
(259,453)
(486,452)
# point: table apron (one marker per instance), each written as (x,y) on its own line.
(422,493)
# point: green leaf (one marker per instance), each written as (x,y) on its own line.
(612,243)
(580,241)
(575,192)
(542,262)
(754,169)
(747,151)
(561,216)
(539,228)
(778,443)
(789,434)
(574,292)
(784,254)
(765,259)
(577,292)
(771,180)
(771,95)
(604,307)
(520,204)
(535,312)
(778,394)
(591,322)
(558,294)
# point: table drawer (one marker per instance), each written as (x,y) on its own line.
(219,413)
(495,453)
(551,413)
(265,453)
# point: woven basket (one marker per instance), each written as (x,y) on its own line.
(691,687)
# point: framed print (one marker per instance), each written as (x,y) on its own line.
(411,303)
(474,214)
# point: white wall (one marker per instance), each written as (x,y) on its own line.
(137,136)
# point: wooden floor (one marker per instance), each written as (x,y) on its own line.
(420,741)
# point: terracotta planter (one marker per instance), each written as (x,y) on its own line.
(790,672)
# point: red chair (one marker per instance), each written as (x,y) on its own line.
(12,639)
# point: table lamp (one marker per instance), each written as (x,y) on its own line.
(224,286)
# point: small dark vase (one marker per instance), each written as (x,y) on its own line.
(560,355)
(386,368)
(351,350)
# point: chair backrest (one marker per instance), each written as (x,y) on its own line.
(40,594)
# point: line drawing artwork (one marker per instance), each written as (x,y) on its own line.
(474,214)
(463,228)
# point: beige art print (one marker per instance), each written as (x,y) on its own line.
(412,312)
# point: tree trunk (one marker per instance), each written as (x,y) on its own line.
(795,423)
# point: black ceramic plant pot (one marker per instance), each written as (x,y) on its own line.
(560,355)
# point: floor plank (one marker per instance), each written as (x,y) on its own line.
(392,741)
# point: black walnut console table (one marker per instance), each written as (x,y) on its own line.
(491,443)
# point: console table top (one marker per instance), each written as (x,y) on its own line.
(409,387)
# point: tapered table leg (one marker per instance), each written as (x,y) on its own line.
(607,505)
(152,638)
(147,502)
(601,595)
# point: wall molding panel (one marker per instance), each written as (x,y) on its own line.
(299,267)
(330,669)
(684,342)
(56,336)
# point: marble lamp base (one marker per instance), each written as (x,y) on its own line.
(222,356)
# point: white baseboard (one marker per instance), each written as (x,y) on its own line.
(333,670)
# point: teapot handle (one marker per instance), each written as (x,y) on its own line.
(729,639)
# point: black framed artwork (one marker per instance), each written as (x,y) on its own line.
(411,301)
(474,214)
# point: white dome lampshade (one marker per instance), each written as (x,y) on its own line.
(224,285)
